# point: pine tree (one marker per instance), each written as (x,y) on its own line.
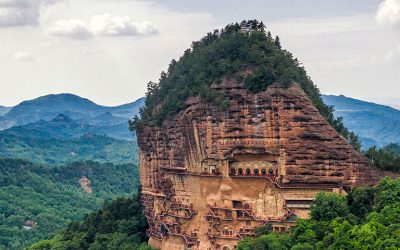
(269,37)
(278,42)
(261,27)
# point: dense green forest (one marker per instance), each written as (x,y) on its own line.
(368,218)
(55,151)
(51,196)
(386,158)
(40,195)
(228,53)
(120,224)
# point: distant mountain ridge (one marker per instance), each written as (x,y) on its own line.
(63,127)
(47,107)
(4,110)
(4,123)
(110,121)
(375,124)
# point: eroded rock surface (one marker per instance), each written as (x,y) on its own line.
(85,184)
(210,176)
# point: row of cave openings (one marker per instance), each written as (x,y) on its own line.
(210,168)
(213,170)
(253,172)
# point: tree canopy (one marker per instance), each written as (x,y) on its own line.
(328,206)
(386,158)
(51,196)
(119,224)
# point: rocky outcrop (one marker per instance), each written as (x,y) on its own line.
(210,175)
(85,184)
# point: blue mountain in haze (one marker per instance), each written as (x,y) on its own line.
(47,107)
(4,110)
(4,123)
(128,110)
(375,124)
(106,119)
(63,127)
(70,115)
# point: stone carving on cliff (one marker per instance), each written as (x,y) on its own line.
(210,176)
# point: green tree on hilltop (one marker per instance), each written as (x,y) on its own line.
(278,42)
(228,52)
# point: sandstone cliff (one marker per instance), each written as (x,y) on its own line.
(271,151)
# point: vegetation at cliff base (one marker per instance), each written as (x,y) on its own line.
(386,158)
(368,218)
(119,224)
(228,53)
(47,197)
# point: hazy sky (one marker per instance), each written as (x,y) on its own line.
(107,50)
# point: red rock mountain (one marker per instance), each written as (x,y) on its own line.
(210,176)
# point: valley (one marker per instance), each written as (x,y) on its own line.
(51,196)
(55,168)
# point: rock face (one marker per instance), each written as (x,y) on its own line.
(210,176)
(85,184)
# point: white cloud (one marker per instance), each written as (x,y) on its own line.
(110,25)
(393,54)
(23,56)
(15,13)
(101,25)
(388,13)
(72,28)
(21,12)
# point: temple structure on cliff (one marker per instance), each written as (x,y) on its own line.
(210,176)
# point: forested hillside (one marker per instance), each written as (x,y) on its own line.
(51,196)
(120,224)
(386,158)
(54,151)
(63,127)
(374,124)
(54,169)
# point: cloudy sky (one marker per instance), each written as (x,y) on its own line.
(107,50)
